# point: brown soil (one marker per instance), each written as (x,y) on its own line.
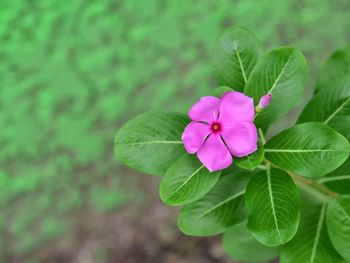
(144,231)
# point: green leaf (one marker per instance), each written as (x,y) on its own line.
(221,90)
(338,223)
(240,245)
(273,204)
(219,209)
(335,70)
(338,180)
(151,142)
(235,55)
(311,244)
(282,72)
(251,161)
(186,181)
(308,149)
(330,106)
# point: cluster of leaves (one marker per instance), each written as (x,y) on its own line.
(256,203)
(64,92)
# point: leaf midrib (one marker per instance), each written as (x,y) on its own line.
(336,111)
(221,203)
(186,181)
(250,163)
(318,233)
(268,174)
(280,75)
(240,62)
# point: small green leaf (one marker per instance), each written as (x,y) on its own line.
(221,90)
(330,106)
(338,223)
(240,245)
(186,181)
(311,244)
(335,70)
(282,72)
(251,161)
(235,55)
(338,180)
(219,209)
(151,142)
(308,149)
(273,204)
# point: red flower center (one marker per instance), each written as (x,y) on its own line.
(216,127)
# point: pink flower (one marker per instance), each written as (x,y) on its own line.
(221,128)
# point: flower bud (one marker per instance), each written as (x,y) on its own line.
(264,102)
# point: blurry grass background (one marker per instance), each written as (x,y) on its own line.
(72,72)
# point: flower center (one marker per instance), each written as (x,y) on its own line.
(216,127)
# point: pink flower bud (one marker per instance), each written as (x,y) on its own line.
(265,101)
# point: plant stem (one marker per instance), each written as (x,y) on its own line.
(312,191)
(312,187)
(316,188)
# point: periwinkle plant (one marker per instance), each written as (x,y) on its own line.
(288,196)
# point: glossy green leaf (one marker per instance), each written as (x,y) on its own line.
(330,106)
(251,161)
(338,180)
(186,181)
(273,204)
(308,149)
(282,72)
(335,70)
(151,142)
(240,245)
(219,209)
(221,90)
(311,244)
(338,223)
(235,55)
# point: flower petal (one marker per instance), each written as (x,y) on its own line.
(214,154)
(236,107)
(206,109)
(241,138)
(194,135)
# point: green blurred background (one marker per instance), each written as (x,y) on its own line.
(72,72)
